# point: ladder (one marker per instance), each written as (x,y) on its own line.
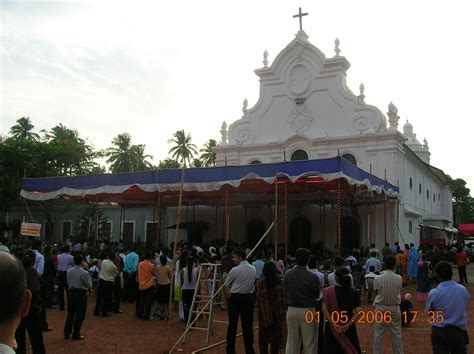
(215,281)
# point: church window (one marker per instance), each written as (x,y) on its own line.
(411,183)
(434,197)
(410,226)
(439,196)
(299,155)
(255,162)
(427,194)
(419,188)
(350,158)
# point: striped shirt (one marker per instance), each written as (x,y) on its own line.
(388,287)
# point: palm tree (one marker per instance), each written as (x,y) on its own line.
(184,150)
(208,156)
(23,130)
(168,163)
(62,134)
(126,157)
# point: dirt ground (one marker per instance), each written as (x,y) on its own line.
(123,333)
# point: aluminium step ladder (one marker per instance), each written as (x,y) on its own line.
(215,281)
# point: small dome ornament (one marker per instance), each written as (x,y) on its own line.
(425,144)
(224,134)
(336,48)
(393,117)
(244,108)
(265,59)
(361,97)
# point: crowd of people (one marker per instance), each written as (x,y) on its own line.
(309,302)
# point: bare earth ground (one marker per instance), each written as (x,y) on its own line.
(123,333)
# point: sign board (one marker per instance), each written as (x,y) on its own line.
(30,229)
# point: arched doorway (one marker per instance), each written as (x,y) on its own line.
(300,234)
(350,232)
(255,230)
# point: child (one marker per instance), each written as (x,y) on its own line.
(405,308)
(369,283)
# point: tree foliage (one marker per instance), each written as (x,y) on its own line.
(23,130)
(208,155)
(125,157)
(183,150)
(463,203)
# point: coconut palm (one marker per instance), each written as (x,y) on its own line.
(208,156)
(125,157)
(140,160)
(183,150)
(24,130)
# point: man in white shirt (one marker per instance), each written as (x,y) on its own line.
(108,272)
(241,280)
(15,300)
(39,261)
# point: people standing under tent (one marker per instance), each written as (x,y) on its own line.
(241,281)
(146,285)
(163,277)
(387,300)
(130,265)
(413,260)
(402,264)
(449,304)
(271,309)
(79,282)
(462,260)
(338,262)
(65,262)
(302,289)
(189,276)
(341,336)
(423,281)
(258,264)
(395,248)
(31,322)
(227,265)
(107,274)
(373,261)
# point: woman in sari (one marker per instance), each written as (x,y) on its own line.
(402,263)
(423,282)
(341,336)
(271,307)
(413,260)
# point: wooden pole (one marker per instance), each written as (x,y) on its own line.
(286,220)
(158,220)
(338,217)
(385,218)
(276,219)
(226,216)
(178,218)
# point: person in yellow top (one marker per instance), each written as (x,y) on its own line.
(146,285)
(163,277)
(402,264)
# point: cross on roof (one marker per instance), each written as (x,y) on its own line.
(300,15)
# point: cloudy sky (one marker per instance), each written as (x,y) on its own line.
(153,67)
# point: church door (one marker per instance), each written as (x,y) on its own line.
(350,229)
(255,230)
(300,234)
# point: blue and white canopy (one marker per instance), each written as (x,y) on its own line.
(200,179)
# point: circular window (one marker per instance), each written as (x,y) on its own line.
(350,158)
(255,162)
(299,155)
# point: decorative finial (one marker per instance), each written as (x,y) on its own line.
(425,142)
(361,96)
(244,107)
(336,48)
(265,59)
(224,134)
(393,117)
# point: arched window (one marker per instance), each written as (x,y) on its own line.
(419,188)
(427,194)
(411,183)
(434,197)
(255,162)
(350,158)
(299,155)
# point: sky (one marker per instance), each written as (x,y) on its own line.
(153,67)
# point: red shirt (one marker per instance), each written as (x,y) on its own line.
(461,259)
(146,271)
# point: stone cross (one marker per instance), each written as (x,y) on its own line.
(300,15)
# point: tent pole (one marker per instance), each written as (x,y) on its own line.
(157,220)
(286,220)
(226,216)
(276,219)
(338,217)
(178,218)
(385,218)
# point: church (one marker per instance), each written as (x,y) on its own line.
(305,112)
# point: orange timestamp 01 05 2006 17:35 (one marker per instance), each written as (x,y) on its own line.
(370,317)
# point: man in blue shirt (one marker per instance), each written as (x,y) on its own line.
(449,301)
(373,261)
(258,264)
(130,264)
